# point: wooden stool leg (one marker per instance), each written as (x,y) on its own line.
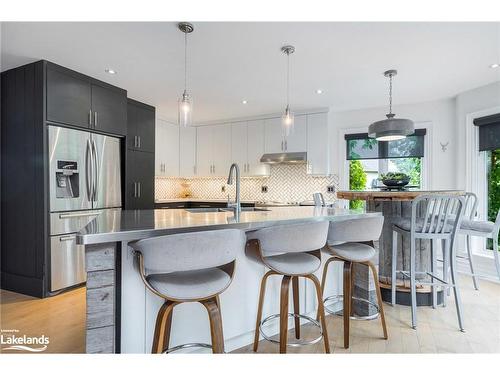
(285,285)
(259,309)
(162,328)
(296,305)
(321,311)
(347,301)
(379,297)
(323,281)
(214,315)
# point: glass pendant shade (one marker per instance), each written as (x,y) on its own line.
(185,110)
(287,122)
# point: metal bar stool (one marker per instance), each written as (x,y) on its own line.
(441,221)
(291,251)
(470,227)
(189,267)
(351,241)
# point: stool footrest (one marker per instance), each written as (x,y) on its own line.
(340,298)
(292,344)
(186,346)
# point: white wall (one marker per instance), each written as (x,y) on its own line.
(468,102)
(440,113)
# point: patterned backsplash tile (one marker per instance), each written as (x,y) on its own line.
(286,183)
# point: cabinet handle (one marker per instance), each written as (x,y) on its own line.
(90,117)
(135,189)
(139,141)
(194,169)
(214,168)
(135,141)
(139,188)
(95,119)
(69,237)
(282,146)
(286,145)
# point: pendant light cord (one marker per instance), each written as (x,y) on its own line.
(185,61)
(288,79)
(390,94)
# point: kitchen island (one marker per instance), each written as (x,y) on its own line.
(395,205)
(121,312)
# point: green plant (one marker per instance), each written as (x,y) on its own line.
(357,181)
(493,188)
(393,176)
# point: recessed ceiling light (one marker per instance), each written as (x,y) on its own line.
(319,91)
(493,66)
(110,71)
(244,101)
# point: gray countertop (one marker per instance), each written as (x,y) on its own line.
(130,225)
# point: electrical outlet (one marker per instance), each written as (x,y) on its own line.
(263,189)
(330,189)
(223,188)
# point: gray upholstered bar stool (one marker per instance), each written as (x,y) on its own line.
(291,251)
(189,267)
(433,217)
(351,241)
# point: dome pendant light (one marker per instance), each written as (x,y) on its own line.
(185,101)
(287,120)
(391,129)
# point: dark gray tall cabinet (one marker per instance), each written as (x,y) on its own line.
(34,96)
(140,157)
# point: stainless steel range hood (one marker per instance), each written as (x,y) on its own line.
(284,158)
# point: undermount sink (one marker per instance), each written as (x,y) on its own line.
(222,209)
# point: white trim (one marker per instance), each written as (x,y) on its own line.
(475,172)
(426,160)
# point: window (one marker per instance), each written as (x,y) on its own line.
(489,146)
(369,159)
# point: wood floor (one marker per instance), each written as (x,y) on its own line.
(62,318)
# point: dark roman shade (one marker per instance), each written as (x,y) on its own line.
(489,132)
(360,146)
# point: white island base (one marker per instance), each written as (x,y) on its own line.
(190,320)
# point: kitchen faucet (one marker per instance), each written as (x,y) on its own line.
(236,206)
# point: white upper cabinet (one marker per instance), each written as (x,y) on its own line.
(318,156)
(221,149)
(273,136)
(167,149)
(276,143)
(297,141)
(213,145)
(247,147)
(239,146)
(204,154)
(187,151)
(256,148)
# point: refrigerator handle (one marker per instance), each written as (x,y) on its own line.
(88,170)
(96,170)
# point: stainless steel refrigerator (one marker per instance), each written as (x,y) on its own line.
(85,180)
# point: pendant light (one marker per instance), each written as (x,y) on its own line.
(185,101)
(391,128)
(287,120)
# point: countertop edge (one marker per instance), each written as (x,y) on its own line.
(134,235)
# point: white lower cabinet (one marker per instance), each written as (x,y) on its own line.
(187,151)
(166,149)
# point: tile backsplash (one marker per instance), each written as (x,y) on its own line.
(286,183)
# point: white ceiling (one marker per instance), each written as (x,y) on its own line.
(229,62)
